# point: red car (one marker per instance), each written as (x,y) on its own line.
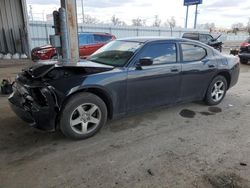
(88,44)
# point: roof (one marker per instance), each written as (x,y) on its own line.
(151,39)
(100,33)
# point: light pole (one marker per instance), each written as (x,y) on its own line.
(82,11)
(195,18)
(186,22)
(31,13)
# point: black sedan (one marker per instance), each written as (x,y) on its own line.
(123,77)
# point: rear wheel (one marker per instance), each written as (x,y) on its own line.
(83,116)
(216,90)
(54,57)
(243,61)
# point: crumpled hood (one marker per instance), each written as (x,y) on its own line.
(41,68)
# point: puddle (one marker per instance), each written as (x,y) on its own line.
(214,109)
(187,113)
(206,113)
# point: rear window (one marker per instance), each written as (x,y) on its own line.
(102,38)
(85,39)
(192,36)
(191,52)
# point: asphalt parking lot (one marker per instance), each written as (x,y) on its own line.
(189,145)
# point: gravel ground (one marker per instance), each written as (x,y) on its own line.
(189,145)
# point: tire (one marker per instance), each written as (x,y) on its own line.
(54,57)
(83,116)
(214,95)
(243,61)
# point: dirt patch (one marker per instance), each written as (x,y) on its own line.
(206,113)
(34,156)
(223,180)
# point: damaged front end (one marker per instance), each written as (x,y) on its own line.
(39,91)
(34,102)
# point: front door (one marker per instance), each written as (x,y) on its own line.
(156,84)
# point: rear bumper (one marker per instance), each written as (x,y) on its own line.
(41,117)
(234,72)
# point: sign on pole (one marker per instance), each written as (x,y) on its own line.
(192,2)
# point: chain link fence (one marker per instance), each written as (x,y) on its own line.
(40,31)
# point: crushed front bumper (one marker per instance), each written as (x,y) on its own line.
(28,108)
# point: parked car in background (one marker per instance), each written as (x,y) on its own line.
(88,44)
(123,77)
(244,53)
(205,38)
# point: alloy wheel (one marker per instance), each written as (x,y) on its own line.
(85,118)
(218,91)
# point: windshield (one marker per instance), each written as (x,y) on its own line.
(116,53)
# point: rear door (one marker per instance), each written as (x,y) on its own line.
(198,68)
(157,84)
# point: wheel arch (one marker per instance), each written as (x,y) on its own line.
(100,92)
(227,76)
(223,73)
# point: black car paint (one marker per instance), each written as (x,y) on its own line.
(124,89)
(244,52)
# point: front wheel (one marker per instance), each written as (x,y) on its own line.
(216,91)
(83,116)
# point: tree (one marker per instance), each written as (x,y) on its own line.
(157,22)
(210,26)
(236,27)
(171,22)
(207,26)
(90,20)
(138,22)
(116,21)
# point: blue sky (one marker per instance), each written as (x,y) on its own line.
(222,12)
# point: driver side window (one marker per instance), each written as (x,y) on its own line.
(160,53)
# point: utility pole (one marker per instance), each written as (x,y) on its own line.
(70,30)
(186,17)
(196,13)
(82,12)
(31,13)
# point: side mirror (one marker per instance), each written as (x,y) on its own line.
(146,61)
